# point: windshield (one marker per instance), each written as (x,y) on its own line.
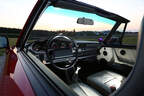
(56,21)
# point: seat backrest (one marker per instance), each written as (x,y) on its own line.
(134,85)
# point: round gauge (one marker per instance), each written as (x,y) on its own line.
(36,47)
(54,45)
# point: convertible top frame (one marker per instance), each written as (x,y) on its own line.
(80,6)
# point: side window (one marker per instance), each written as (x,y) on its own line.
(130,38)
(119,31)
(117,35)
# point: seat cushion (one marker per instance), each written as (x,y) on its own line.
(105,81)
(84,90)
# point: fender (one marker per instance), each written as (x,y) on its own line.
(11,61)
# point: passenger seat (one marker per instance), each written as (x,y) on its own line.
(105,81)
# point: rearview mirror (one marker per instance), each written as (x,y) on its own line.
(85,21)
(4,42)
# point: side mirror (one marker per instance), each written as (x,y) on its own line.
(4,42)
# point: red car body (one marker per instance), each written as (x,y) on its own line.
(23,78)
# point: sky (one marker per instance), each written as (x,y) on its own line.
(13,13)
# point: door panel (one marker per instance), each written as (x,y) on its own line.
(43,81)
(106,53)
(120,59)
(22,81)
(125,56)
(119,54)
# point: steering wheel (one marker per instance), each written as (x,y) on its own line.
(70,54)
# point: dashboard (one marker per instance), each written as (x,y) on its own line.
(86,50)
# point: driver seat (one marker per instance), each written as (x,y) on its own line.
(84,90)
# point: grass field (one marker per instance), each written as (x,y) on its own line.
(130,40)
(12,41)
(126,40)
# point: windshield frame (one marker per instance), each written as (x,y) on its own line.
(41,5)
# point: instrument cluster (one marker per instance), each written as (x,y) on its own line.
(43,46)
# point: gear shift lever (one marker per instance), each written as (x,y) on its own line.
(75,75)
(77,70)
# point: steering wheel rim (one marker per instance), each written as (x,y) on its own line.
(75,54)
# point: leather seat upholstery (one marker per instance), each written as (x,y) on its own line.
(105,81)
(84,90)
